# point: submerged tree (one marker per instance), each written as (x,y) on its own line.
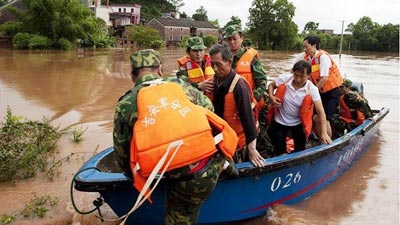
(270,24)
(60,21)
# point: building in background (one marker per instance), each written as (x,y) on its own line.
(173,30)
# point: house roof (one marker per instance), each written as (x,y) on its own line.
(184,23)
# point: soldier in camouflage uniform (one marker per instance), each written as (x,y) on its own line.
(185,194)
(354,101)
(234,38)
(195,52)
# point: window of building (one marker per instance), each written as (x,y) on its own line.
(170,28)
(170,37)
(132,10)
(181,37)
(119,9)
(181,29)
(124,10)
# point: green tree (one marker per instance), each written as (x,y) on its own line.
(184,15)
(200,14)
(177,4)
(145,37)
(235,20)
(310,27)
(364,31)
(388,37)
(215,23)
(210,40)
(270,24)
(68,20)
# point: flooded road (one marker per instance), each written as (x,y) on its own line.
(80,89)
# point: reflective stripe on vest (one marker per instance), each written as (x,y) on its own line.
(334,78)
(194,70)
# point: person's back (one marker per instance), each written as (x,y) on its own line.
(142,122)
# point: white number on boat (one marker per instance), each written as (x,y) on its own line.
(289,179)
(348,155)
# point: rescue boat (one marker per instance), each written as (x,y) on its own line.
(285,179)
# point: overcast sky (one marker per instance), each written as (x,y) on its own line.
(328,13)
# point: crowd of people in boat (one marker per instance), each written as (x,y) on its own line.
(218,109)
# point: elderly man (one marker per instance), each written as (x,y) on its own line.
(247,64)
(195,67)
(152,115)
(232,101)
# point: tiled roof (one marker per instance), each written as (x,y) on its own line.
(185,23)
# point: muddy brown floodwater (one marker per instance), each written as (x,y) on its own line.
(81,88)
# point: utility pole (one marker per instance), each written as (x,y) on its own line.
(341,42)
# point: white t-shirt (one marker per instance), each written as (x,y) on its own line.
(288,113)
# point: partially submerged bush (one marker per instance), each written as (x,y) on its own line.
(25,147)
(39,206)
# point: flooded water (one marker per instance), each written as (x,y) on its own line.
(80,89)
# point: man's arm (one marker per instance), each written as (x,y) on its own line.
(324,137)
(124,118)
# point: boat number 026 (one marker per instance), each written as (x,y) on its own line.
(286,181)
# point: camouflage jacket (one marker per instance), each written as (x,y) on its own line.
(259,76)
(355,101)
(126,115)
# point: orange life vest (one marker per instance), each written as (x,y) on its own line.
(306,108)
(346,113)
(334,78)
(306,112)
(243,68)
(231,114)
(166,115)
(279,93)
(194,70)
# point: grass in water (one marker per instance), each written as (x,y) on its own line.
(25,147)
(77,133)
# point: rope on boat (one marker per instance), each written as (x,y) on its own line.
(97,203)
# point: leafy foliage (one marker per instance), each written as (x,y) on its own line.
(145,37)
(59,19)
(210,40)
(369,35)
(200,14)
(25,147)
(310,27)
(235,20)
(39,206)
(271,24)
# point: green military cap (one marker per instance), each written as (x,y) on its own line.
(196,43)
(347,82)
(231,30)
(145,58)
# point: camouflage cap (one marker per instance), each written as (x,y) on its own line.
(196,43)
(231,30)
(145,58)
(347,83)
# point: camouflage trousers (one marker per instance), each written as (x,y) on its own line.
(264,145)
(184,198)
(340,126)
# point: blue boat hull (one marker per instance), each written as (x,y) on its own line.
(286,179)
